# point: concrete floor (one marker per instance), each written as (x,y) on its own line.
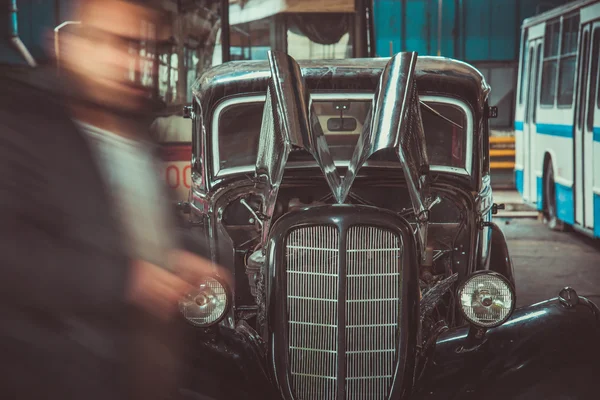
(546,261)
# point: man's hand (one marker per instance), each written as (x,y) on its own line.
(158,291)
(191,267)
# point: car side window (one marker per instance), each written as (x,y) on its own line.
(445,133)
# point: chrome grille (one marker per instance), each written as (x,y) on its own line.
(372,283)
(372,304)
(312,292)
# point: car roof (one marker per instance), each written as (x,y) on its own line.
(435,75)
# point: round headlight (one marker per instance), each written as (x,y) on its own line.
(206,305)
(487,299)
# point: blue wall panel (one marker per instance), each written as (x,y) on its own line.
(421,26)
(504,30)
(449,25)
(473,30)
(477,30)
(418,21)
(42,20)
(388,16)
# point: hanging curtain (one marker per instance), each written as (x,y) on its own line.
(322,28)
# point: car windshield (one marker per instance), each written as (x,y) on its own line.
(445,123)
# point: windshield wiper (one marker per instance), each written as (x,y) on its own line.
(432,110)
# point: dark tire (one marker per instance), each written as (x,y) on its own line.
(550,212)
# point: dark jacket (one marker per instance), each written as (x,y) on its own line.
(62,268)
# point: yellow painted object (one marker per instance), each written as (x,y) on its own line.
(502,153)
(502,140)
(502,165)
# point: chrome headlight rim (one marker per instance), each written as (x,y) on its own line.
(226,309)
(497,275)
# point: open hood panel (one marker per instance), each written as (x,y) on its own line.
(289,123)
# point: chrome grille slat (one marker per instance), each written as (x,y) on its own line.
(371,303)
(312,292)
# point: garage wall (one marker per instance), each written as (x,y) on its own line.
(502,77)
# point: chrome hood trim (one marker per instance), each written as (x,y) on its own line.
(396,123)
(289,123)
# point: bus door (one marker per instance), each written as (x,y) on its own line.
(529,121)
(585,119)
(593,127)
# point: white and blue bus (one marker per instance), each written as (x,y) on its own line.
(557,116)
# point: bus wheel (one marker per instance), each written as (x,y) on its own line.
(550,213)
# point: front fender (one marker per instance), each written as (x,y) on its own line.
(545,351)
(500,260)
(226,364)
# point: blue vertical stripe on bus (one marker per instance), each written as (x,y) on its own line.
(555,130)
(540,193)
(565,206)
(596,215)
(519,180)
(518,125)
(597,134)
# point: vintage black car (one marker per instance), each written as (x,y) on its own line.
(351,202)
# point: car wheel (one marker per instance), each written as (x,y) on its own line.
(550,213)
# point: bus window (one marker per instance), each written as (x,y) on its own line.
(594,82)
(524,44)
(307,29)
(566,73)
(527,73)
(597,58)
(551,39)
(583,80)
(550,65)
(537,82)
(252,40)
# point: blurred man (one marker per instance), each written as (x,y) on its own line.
(86,233)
